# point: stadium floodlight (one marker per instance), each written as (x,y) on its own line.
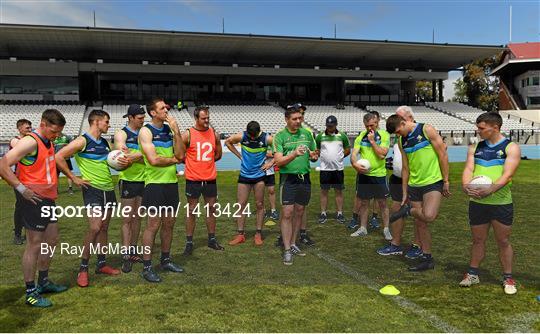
(235,65)
(316,68)
(276,67)
(187,63)
(145,62)
(12,59)
(52,60)
(99,61)
(357,68)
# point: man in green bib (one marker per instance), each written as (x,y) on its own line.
(372,144)
(91,151)
(294,146)
(491,205)
(162,148)
(424,178)
(131,182)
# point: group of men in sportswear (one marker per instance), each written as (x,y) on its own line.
(420,178)
(419,181)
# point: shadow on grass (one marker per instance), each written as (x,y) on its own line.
(15,314)
(454,272)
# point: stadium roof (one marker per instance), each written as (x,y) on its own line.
(525,50)
(127,45)
(519,58)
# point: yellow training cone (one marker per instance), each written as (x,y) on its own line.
(270,223)
(389,290)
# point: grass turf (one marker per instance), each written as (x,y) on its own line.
(247,288)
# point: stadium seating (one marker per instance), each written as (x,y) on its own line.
(183,117)
(13,112)
(442,122)
(470,114)
(230,119)
(117,122)
(350,119)
(116,111)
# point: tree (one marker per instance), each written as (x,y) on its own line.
(477,88)
(423,91)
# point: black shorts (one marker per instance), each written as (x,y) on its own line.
(32,215)
(396,189)
(332,179)
(368,187)
(95,197)
(416,194)
(270,180)
(160,195)
(130,189)
(194,189)
(480,214)
(70,166)
(295,189)
(245,180)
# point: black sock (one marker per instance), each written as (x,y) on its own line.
(43,277)
(303,233)
(189,238)
(427,257)
(473,271)
(147,264)
(239,232)
(355,216)
(374,215)
(84,265)
(258,231)
(165,257)
(507,276)
(30,287)
(101,261)
(211,237)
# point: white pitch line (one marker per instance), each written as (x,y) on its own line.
(404,303)
(523,323)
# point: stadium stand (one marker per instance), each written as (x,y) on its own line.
(13,112)
(470,114)
(117,122)
(230,119)
(349,119)
(442,122)
(183,117)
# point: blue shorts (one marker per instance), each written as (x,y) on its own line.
(368,187)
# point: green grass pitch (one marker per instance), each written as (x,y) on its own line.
(248,289)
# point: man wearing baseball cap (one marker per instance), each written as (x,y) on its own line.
(131,181)
(333,146)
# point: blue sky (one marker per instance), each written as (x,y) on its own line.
(464,22)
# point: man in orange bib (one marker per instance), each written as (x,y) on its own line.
(36,183)
(203,149)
